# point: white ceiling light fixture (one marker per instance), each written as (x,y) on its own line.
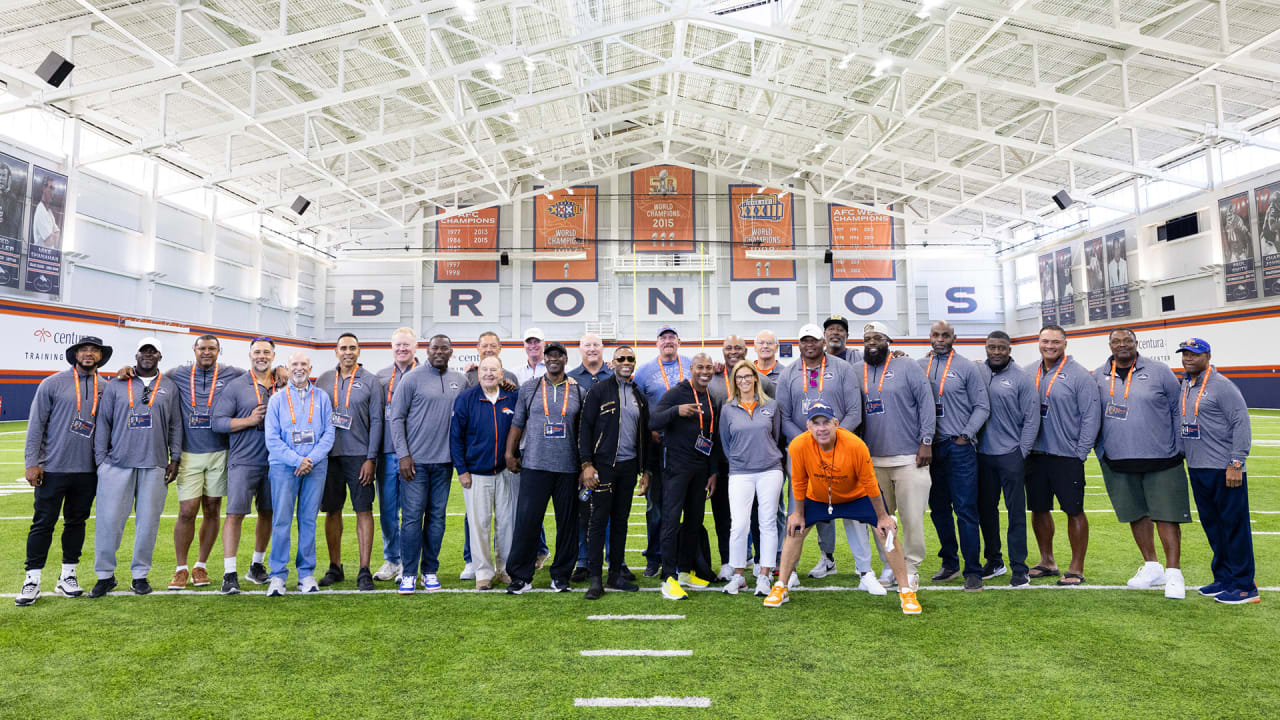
(819,147)
(468,9)
(527,150)
(513,116)
(881,67)
(928,6)
(844,62)
(494,69)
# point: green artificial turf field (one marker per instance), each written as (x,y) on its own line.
(1039,652)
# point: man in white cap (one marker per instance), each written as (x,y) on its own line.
(533,367)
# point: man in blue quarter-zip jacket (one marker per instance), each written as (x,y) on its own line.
(1069,418)
(299,436)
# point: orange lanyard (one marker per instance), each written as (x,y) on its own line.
(337,375)
(942,384)
(712,430)
(1127,380)
(762,370)
(866,387)
(822,373)
(212,385)
(150,402)
(1207,374)
(75,380)
(392,385)
(1054,379)
(310,411)
(564,407)
(254,381)
(663,368)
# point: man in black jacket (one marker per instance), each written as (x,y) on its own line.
(612,442)
(687,415)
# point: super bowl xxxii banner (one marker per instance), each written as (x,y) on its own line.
(1117,274)
(1048,297)
(565,290)
(662,211)
(1066,291)
(44,250)
(1267,202)
(13,204)
(1095,274)
(1239,278)
(760,219)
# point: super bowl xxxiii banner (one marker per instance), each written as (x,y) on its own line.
(761,219)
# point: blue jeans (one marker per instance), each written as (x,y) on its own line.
(389,507)
(290,494)
(427,495)
(954,472)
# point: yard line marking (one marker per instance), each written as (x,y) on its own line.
(636,653)
(635,617)
(656,701)
(1259,532)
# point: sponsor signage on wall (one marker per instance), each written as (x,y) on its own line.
(663,216)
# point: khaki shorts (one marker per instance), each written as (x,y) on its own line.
(202,474)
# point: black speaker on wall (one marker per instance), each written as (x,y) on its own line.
(1062,200)
(300,205)
(504,259)
(1166,303)
(54,69)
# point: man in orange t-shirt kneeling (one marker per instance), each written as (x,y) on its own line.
(832,477)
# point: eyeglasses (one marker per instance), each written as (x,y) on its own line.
(740,378)
(625,359)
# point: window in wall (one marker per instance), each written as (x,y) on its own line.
(1244,160)
(37,128)
(195,200)
(237,214)
(1026,279)
(131,170)
(1160,192)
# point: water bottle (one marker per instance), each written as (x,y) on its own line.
(584,494)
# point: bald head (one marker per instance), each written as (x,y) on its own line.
(942,337)
(592,349)
(735,349)
(701,369)
(300,369)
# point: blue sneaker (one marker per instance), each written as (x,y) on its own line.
(1238,597)
(431,583)
(1212,589)
(407,583)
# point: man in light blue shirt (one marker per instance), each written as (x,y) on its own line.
(299,435)
(654,379)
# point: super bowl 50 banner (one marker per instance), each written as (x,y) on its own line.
(565,290)
(1237,248)
(1095,273)
(760,219)
(1117,274)
(1048,296)
(1066,290)
(662,211)
(1267,203)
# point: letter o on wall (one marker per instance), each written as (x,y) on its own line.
(850,298)
(553,302)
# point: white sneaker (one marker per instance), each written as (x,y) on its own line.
(68,587)
(30,593)
(887,578)
(308,585)
(736,583)
(755,569)
(388,571)
(726,572)
(1148,576)
(794,581)
(826,566)
(763,585)
(276,588)
(1175,587)
(872,585)
(468,572)
(914,579)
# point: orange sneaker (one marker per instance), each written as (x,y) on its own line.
(910,605)
(777,596)
(199,577)
(179,581)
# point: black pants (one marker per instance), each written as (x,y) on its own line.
(536,488)
(653,514)
(67,494)
(1003,474)
(684,494)
(721,515)
(610,508)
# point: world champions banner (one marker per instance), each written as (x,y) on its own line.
(662,210)
(474,231)
(760,220)
(855,228)
(566,220)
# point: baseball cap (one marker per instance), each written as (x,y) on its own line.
(535,333)
(667,329)
(1193,345)
(877,327)
(554,346)
(148,340)
(819,409)
(836,320)
(812,331)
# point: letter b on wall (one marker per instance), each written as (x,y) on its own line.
(366,300)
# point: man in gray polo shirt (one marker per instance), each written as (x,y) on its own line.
(138,445)
(353,462)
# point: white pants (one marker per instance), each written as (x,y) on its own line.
(856,534)
(491,498)
(766,487)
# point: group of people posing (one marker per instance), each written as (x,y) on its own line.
(873,438)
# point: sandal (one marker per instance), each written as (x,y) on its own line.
(1071,576)
(1040,571)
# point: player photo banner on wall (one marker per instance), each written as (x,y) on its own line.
(1117,274)
(1239,276)
(1048,298)
(13,205)
(44,247)
(1267,204)
(1066,289)
(1095,273)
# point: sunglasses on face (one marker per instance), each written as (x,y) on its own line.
(625,359)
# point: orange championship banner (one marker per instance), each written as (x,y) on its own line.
(662,210)
(472,231)
(760,220)
(857,228)
(565,221)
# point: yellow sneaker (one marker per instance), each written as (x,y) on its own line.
(910,605)
(671,590)
(692,580)
(777,596)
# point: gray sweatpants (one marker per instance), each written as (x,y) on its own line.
(118,490)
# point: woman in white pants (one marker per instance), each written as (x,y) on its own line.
(750,426)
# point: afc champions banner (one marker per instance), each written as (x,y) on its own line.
(1266,202)
(13,212)
(662,210)
(44,249)
(1048,296)
(1117,256)
(1095,275)
(566,290)
(761,220)
(863,288)
(467,290)
(1239,278)
(1066,290)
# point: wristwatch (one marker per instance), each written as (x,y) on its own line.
(1237,464)
(927,441)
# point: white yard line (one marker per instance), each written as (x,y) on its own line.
(636,653)
(657,701)
(635,617)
